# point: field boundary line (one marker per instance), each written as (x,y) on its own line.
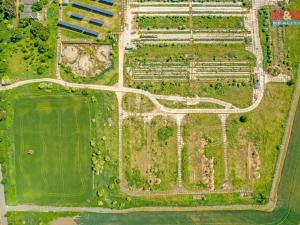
(285,143)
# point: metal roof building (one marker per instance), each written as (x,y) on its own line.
(93,9)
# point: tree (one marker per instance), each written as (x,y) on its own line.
(24,22)
(16,36)
(38,30)
(8,9)
(40,70)
(248,40)
(290,82)
(38,6)
(243,119)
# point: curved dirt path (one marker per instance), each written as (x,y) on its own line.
(138,91)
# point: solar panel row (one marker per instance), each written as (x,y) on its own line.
(107,2)
(77,16)
(92,9)
(96,22)
(78,28)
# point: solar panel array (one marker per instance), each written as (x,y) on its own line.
(78,28)
(92,9)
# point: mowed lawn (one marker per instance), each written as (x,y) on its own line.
(53,156)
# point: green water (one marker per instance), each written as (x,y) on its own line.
(287,211)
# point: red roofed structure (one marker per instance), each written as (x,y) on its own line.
(277,15)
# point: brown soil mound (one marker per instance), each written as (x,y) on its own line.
(208,173)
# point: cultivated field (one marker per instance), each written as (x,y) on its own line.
(52,150)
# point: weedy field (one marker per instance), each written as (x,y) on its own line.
(202,135)
(150,154)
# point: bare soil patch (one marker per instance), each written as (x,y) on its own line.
(87,60)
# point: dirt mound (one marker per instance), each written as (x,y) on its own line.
(255,164)
(208,172)
(64,221)
(70,54)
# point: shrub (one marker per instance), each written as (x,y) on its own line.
(40,70)
(243,119)
(16,36)
(38,6)
(38,30)
(165,133)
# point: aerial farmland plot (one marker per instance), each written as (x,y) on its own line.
(149,112)
(47,131)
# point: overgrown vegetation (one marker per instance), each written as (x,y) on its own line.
(149,153)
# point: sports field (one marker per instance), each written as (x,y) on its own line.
(52,151)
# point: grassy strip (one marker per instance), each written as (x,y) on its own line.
(217,22)
(182,22)
(178,105)
(183,52)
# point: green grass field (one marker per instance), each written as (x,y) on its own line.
(52,137)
